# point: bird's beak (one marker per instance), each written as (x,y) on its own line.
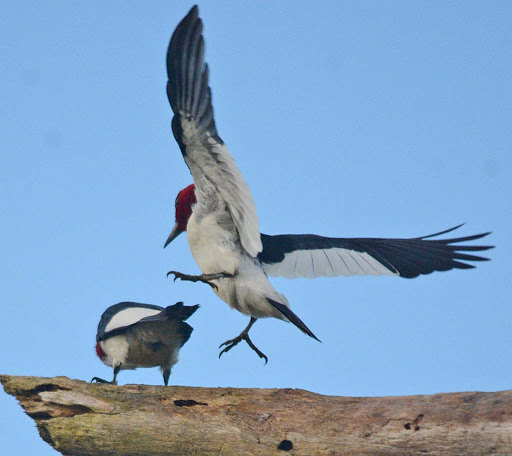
(174,234)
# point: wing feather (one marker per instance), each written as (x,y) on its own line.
(213,168)
(309,256)
(117,318)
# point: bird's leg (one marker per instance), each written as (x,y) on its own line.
(113,382)
(205,278)
(244,335)
(166,373)
(116,371)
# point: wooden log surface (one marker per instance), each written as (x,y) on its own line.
(79,418)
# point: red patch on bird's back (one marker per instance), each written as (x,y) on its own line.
(184,201)
(99,351)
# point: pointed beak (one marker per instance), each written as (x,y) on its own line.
(174,234)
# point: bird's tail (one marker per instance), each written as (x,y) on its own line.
(179,311)
(288,313)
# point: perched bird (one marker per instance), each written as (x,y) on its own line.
(219,215)
(132,335)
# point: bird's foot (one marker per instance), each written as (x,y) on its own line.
(244,335)
(205,278)
(100,380)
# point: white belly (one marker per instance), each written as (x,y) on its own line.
(213,248)
(217,250)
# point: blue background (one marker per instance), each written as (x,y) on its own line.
(385,119)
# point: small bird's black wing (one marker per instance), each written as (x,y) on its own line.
(119,317)
(180,312)
(176,314)
(310,256)
(158,335)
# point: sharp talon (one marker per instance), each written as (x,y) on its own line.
(256,349)
(234,342)
(263,356)
(224,351)
(231,342)
(229,345)
(258,352)
(100,380)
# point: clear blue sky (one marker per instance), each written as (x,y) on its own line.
(386,119)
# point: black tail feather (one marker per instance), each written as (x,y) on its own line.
(288,313)
(179,311)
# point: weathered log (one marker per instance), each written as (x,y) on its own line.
(79,418)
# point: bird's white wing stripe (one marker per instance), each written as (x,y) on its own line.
(352,264)
(337,263)
(407,257)
(326,263)
(331,273)
(129,316)
(282,267)
(303,263)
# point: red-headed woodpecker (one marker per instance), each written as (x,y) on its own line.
(219,215)
(132,335)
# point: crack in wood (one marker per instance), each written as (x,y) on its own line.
(44,387)
(187,403)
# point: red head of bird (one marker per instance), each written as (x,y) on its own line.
(184,201)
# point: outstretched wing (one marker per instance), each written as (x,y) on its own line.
(211,165)
(310,256)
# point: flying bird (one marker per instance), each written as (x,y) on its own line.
(219,215)
(132,335)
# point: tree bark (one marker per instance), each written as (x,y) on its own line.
(79,418)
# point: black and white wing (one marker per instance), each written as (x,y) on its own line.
(119,317)
(310,256)
(167,327)
(210,163)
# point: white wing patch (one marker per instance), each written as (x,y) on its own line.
(326,263)
(129,316)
